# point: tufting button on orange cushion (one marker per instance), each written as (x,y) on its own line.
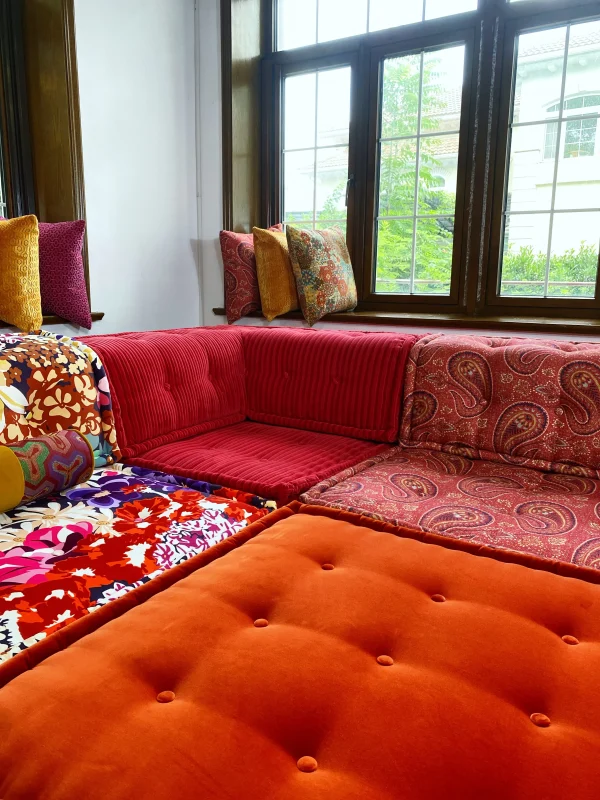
(307,764)
(438,598)
(166,697)
(261,623)
(385,661)
(541,720)
(327,567)
(570,639)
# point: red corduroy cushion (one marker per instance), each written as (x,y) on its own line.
(271,461)
(170,385)
(348,383)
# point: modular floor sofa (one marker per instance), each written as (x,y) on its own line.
(491,439)
(319,656)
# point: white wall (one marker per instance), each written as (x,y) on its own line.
(136,63)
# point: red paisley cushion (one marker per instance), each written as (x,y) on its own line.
(527,402)
(242,295)
(516,508)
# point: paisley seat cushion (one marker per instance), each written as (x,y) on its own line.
(546,514)
(527,402)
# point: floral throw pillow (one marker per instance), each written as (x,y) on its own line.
(242,295)
(323,272)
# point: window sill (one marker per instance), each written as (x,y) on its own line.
(496,323)
(51,319)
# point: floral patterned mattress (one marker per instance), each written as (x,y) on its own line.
(79,550)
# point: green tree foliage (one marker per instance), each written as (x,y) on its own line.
(526,264)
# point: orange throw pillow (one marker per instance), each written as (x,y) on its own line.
(276,282)
(20,298)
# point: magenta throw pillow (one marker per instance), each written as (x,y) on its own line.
(62,274)
(242,295)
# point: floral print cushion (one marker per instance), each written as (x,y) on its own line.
(527,402)
(50,383)
(515,508)
(79,550)
(323,272)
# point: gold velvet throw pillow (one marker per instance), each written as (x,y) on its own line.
(20,298)
(276,282)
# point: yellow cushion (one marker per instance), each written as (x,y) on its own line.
(12,480)
(276,281)
(20,298)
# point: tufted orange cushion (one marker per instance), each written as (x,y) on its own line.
(405,669)
(20,298)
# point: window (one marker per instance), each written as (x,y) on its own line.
(466,177)
(552,211)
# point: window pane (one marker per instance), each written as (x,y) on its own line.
(299,185)
(336,22)
(524,257)
(420,94)
(540,62)
(444,8)
(297,23)
(394,256)
(554,166)
(385,14)
(433,258)
(303,22)
(574,262)
(315,166)
(300,110)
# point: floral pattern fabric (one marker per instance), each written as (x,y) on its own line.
(323,272)
(524,402)
(545,514)
(50,383)
(91,544)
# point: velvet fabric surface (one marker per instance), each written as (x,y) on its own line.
(269,460)
(344,382)
(170,385)
(278,293)
(319,657)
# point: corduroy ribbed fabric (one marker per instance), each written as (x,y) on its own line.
(271,461)
(346,383)
(171,385)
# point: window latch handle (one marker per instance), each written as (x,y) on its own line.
(349,185)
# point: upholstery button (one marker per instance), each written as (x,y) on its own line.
(167,387)
(327,567)
(385,661)
(166,697)
(541,720)
(261,623)
(438,598)
(307,764)
(570,640)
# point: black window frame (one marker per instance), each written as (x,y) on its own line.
(489,35)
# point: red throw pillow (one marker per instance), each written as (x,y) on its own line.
(242,295)
(62,275)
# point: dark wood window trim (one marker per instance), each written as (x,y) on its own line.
(489,36)
(39,78)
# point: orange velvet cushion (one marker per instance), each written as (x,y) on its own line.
(20,298)
(322,659)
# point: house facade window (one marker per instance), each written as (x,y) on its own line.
(455,143)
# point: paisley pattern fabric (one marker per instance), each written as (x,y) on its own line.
(88,545)
(51,383)
(526,402)
(546,514)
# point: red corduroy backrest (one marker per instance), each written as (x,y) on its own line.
(170,385)
(348,383)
